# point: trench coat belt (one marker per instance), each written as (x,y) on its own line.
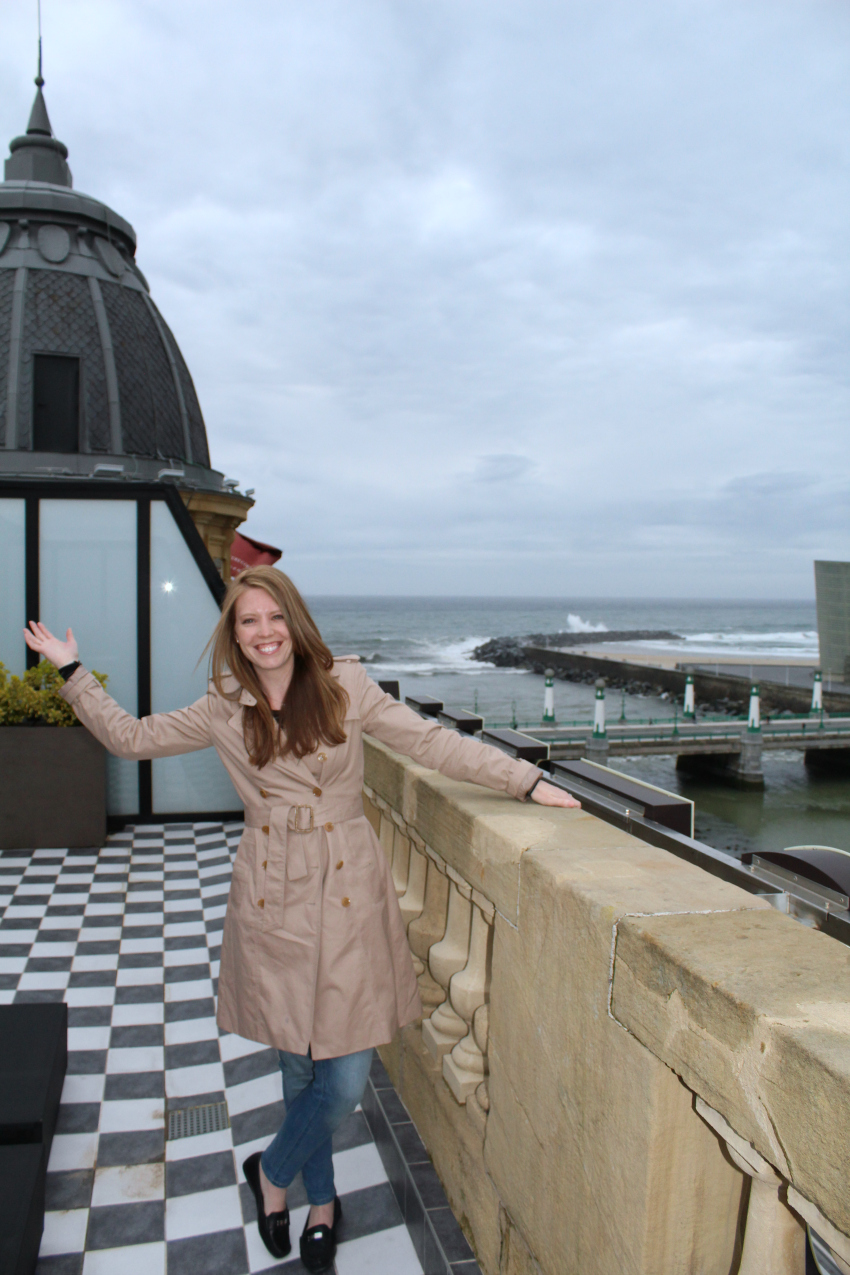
(287,824)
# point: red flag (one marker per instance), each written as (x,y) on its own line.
(245,552)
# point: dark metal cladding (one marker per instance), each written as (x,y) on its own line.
(70,286)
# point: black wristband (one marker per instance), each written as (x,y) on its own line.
(68,670)
(538,780)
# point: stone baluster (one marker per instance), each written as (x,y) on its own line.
(464,1068)
(400,861)
(428,928)
(481,1028)
(826,1239)
(412,901)
(445,1027)
(774,1237)
(387,837)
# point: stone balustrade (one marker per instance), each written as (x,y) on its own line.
(624,1064)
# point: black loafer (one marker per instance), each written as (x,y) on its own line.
(273,1227)
(318,1243)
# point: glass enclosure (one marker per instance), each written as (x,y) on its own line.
(13,613)
(87,581)
(183,616)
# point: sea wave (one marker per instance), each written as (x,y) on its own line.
(434,657)
(777,644)
(575,624)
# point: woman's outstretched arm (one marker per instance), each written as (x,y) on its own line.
(455,755)
(162,735)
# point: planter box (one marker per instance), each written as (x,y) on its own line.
(52,787)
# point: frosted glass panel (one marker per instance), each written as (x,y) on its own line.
(12,597)
(87,581)
(183,615)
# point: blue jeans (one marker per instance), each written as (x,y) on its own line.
(318,1096)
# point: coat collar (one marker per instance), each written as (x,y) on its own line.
(290,764)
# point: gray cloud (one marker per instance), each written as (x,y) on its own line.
(487,297)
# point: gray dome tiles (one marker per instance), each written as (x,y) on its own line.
(77,319)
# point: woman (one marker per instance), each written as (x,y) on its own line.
(314,957)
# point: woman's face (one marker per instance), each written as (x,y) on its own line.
(261,630)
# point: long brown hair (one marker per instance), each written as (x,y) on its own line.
(314,709)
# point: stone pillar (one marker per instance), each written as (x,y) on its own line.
(412,901)
(400,861)
(774,1237)
(428,928)
(597,745)
(549,698)
(445,1027)
(217,514)
(464,1068)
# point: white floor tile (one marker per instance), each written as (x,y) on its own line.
(233,1046)
(183,1082)
(54,949)
(140,1058)
(25,936)
(254,1093)
(129,1115)
(215,913)
(72,1151)
(24,911)
(188,1030)
(7,995)
(92,933)
(194,990)
(180,929)
(142,918)
(128,1184)
(88,1037)
(202,1144)
(87,963)
(17,964)
(218,1210)
(104,909)
(188,956)
(83,1088)
(136,1259)
(358,1167)
(64,1232)
(144,896)
(56,980)
(138,1015)
(390,1250)
(143,977)
(79,997)
(181,905)
(135,946)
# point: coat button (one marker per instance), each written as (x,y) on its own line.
(322,756)
(265,829)
(261,903)
(346,902)
(263,792)
(329,827)
(317,792)
(265,863)
(339,865)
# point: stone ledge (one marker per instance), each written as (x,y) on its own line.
(750,1008)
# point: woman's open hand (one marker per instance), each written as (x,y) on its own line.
(549,795)
(40,639)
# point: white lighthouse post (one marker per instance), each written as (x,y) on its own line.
(599,710)
(817,692)
(549,697)
(754,718)
(689,710)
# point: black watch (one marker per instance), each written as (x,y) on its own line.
(68,670)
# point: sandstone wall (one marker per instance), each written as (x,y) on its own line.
(617,1020)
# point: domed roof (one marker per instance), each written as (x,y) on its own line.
(91,377)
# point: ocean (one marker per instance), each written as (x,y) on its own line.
(426,645)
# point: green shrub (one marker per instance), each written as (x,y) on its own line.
(35,697)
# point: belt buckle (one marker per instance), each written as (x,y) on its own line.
(293,822)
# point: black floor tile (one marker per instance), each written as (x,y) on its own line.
(60,1264)
(117,1225)
(200,1173)
(411,1145)
(193,1054)
(187,973)
(428,1185)
(139,1037)
(352,1132)
(262,1122)
(251,1066)
(147,1146)
(78,1117)
(180,1011)
(134,1084)
(394,1108)
(222,1253)
(90,1016)
(146,994)
(367,1211)
(86,1062)
(451,1237)
(70,1189)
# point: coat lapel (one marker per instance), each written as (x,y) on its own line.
(290,765)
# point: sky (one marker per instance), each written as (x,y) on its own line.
(489,298)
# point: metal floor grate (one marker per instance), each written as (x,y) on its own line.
(188,1122)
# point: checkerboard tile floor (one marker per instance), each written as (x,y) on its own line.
(130,938)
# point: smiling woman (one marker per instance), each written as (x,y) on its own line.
(315,960)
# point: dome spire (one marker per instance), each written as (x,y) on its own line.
(38,156)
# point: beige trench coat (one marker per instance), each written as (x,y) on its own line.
(314,952)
